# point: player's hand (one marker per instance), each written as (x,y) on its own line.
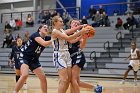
(85,36)
(85,31)
(10,62)
(84,25)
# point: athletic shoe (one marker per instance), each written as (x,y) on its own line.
(122,82)
(98,89)
(25,86)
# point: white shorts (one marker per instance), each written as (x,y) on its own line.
(61,59)
(135,64)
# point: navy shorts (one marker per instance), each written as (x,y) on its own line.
(17,66)
(79,60)
(32,63)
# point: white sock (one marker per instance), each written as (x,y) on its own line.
(14,92)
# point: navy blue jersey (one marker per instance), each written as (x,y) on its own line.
(76,54)
(15,53)
(33,49)
(74,47)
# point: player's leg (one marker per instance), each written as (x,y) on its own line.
(17,74)
(64,80)
(75,79)
(17,70)
(81,83)
(41,75)
(126,73)
(69,77)
(85,85)
(24,74)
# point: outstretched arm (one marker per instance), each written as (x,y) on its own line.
(76,39)
(58,34)
(43,42)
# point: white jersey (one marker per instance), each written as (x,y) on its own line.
(59,44)
(134,63)
(61,56)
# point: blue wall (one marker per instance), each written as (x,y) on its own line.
(68,3)
(85,5)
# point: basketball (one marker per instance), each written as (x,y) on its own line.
(91,32)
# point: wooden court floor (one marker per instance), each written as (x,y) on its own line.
(7,83)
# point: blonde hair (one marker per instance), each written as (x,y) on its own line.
(54,19)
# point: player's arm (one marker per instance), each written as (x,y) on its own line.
(83,42)
(43,42)
(11,55)
(72,30)
(76,39)
(128,57)
(58,34)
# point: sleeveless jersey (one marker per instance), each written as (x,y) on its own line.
(33,49)
(59,44)
(134,54)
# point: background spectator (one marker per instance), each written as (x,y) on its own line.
(101,10)
(104,20)
(130,21)
(92,11)
(96,20)
(7,25)
(40,16)
(119,23)
(7,38)
(46,18)
(66,19)
(13,24)
(29,21)
(18,23)
(84,20)
(26,37)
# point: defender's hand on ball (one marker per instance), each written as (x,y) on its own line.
(90,32)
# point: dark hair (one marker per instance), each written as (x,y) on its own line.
(18,38)
(73,20)
(133,42)
(118,18)
(39,28)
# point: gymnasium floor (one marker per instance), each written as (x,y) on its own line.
(7,82)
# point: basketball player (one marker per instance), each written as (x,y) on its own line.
(78,61)
(29,58)
(16,50)
(61,56)
(134,58)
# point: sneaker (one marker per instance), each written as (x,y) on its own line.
(25,86)
(98,89)
(135,82)
(122,82)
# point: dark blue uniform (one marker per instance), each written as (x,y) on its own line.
(32,50)
(16,55)
(77,56)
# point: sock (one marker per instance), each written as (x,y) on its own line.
(14,92)
(17,78)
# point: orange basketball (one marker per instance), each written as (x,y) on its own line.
(91,32)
